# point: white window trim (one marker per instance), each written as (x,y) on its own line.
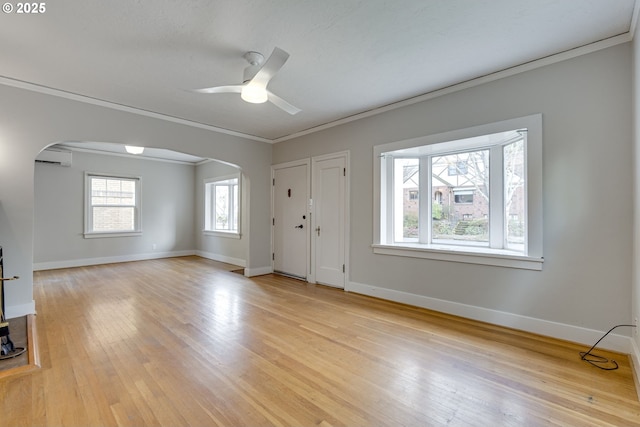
(207,231)
(220,233)
(485,256)
(102,234)
(88,220)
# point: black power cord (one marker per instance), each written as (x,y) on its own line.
(598,361)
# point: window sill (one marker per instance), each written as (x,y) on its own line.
(227,234)
(465,255)
(98,235)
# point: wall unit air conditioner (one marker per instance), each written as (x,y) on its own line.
(54,157)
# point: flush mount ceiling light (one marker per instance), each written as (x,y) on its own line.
(255,80)
(132,149)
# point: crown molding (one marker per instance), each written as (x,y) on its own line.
(532,65)
(528,66)
(8,81)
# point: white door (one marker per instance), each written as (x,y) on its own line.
(290,226)
(329,220)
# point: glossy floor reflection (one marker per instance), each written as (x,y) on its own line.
(184,341)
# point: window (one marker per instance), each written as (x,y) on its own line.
(222,206)
(487,205)
(459,167)
(463,197)
(112,205)
(437,197)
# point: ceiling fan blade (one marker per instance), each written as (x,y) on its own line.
(270,68)
(282,104)
(220,89)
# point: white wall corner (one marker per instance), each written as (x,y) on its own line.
(619,343)
(20,310)
(258,271)
(222,258)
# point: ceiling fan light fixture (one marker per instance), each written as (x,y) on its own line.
(256,79)
(254,94)
(132,149)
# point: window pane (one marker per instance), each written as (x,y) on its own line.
(222,207)
(406,208)
(113,219)
(234,216)
(127,193)
(98,191)
(514,195)
(460,198)
(115,192)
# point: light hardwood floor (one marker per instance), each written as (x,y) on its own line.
(182,341)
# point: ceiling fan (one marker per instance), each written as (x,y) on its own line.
(256,78)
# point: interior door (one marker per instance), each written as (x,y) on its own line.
(290,220)
(329,220)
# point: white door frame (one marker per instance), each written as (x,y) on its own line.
(303,162)
(311,278)
(347,195)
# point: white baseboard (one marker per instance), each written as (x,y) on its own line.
(222,258)
(14,311)
(108,260)
(562,331)
(259,271)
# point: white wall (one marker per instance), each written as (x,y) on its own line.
(635,293)
(167,212)
(223,249)
(588,173)
(585,285)
(31,121)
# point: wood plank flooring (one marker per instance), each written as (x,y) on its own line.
(184,341)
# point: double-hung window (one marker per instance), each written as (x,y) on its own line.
(222,206)
(112,205)
(480,195)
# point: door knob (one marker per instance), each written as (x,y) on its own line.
(300,226)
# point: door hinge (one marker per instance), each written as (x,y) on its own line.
(343,268)
(273,256)
(344,171)
(274,181)
(273,222)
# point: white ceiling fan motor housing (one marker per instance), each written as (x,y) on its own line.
(255,59)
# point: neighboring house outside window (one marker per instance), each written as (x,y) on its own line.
(222,206)
(112,205)
(482,197)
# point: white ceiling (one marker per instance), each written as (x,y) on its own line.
(347,56)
